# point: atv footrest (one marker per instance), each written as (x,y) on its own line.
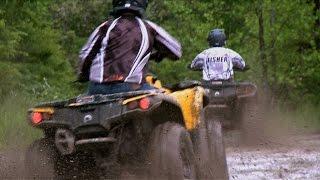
(96,140)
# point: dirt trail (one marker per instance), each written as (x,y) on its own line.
(297,157)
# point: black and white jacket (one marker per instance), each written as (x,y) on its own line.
(119,50)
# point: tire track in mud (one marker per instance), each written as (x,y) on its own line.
(297,157)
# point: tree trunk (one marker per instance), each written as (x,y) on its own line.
(316,12)
(273,56)
(262,49)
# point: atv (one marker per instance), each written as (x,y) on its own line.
(233,103)
(157,134)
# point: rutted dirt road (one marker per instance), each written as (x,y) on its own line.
(297,157)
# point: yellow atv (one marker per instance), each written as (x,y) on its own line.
(161,134)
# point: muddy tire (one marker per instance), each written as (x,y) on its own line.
(171,154)
(210,150)
(39,160)
(217,148)
(202,152)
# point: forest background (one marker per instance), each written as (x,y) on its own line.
(40,41)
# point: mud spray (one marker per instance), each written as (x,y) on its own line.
(286,146)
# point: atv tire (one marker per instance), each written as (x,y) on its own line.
(202,152)
(217,148)
(209,149)
(171,154)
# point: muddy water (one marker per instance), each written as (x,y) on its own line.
(295,157)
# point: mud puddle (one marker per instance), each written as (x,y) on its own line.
(296,157)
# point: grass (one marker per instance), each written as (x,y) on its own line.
(14,129)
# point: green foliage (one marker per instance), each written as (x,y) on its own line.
(9,79)
(33,66)
(76,20)
(32,50)
(291,55)
(43,39)
(10,40)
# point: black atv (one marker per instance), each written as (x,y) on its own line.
(234,104)
(158,134)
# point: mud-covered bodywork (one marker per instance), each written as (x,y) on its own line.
(93,119)
(229,99)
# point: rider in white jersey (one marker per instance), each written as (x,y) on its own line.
(217,62)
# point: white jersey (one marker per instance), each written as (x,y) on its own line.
(217,63)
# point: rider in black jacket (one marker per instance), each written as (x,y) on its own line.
(115,58)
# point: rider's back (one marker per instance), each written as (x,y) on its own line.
(218,63)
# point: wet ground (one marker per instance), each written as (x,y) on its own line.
(11,164)
(294,157)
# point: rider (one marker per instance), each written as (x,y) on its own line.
(115,58)
(217,62)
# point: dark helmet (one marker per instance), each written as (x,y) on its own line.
(217,38)
(137,7)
